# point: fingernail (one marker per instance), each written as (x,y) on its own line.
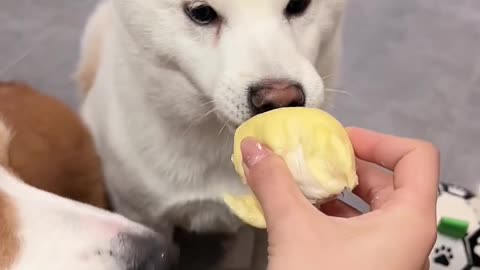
(253,152)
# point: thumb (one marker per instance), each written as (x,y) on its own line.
(270,179)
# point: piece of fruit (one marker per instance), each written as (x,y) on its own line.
(315,147)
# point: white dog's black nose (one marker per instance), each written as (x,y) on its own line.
(273,94)
(143,252)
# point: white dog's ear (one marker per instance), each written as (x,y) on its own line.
(97,28)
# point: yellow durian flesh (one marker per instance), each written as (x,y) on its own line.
(315,146)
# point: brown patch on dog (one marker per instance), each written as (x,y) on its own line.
(4,143)
(10,244)
(50,148)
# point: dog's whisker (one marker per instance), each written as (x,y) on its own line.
(207,103)
(338,91)
(327,76)
(203,97)
(223,128)
(198,119)
(214,109)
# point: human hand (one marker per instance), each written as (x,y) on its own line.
(398,233)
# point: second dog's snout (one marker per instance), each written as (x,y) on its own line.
(145,252)
(273,94)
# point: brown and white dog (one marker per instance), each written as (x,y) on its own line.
(45,147)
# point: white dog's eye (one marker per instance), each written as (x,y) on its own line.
(202,14)
(296,7)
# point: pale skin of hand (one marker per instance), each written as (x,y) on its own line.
(399,232)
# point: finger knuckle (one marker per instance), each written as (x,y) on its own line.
(427,227)
(428,146)
(431,233)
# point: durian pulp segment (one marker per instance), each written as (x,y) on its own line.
(246,208)
(315,147)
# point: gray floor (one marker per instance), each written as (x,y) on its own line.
(412,67)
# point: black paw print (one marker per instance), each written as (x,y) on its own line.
(443,255)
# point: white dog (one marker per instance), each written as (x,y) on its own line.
(168,81)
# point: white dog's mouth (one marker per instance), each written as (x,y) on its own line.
(266,95)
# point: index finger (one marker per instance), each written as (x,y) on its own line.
(415,163)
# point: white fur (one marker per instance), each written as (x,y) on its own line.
(58,234)
(169,93)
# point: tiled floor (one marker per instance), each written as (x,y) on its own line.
(412,67)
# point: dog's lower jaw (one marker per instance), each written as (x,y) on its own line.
(157,172)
